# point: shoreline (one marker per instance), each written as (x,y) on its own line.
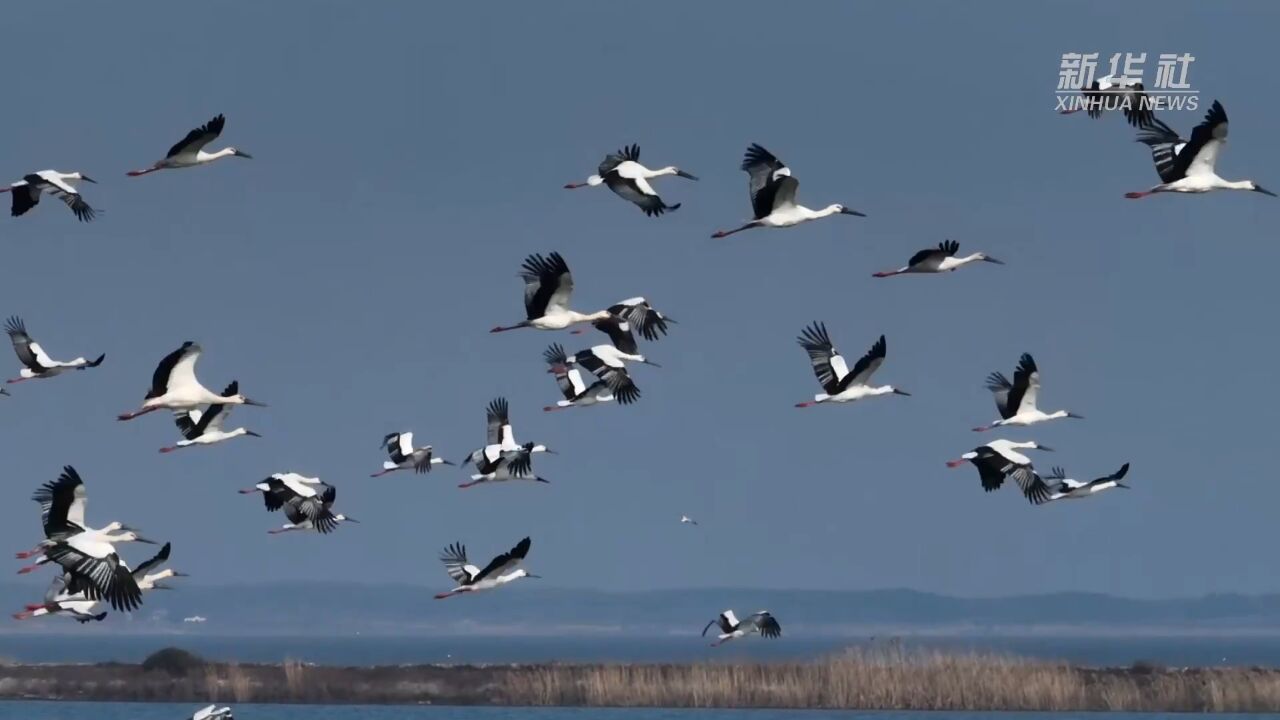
(856,680)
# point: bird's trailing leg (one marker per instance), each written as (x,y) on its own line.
(443,595)
(380,473)
(17,380)
(137,173)
(475,480)
(168,449)
(136,413)
(727,233)
(886,273)
(28,553)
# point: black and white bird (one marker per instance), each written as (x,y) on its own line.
(1187,166)
(639,315)
(1000,459)
(174,386)
(838,382)
(1016,400)
(213,712)
(204,426)
(622,172)
(87,554)
(938,260)
(1112,93)
(1057,486)
(686,520)
(35,361)
(404,456)
(26,192)
(189,151)
(307,502)
(498,431)
(761,622)
(66,596)
(773,195)
(622,347)
(548,288)
(501,465)
(503,569)
(579,387)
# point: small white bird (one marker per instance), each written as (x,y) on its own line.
(1062,487)
(773,195)
(841,384)
(1016,400)
(36,362)
(204,427)
(1000,459)
(213,712)
(761,622)
(629,180)
(174,386)
(404,456)
(1188,166)
(501,570)
(26,192)
(686,520)
(189,151)
(937,260)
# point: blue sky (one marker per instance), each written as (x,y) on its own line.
(408,156)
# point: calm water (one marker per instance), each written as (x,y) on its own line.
(1174,651)
(130,711)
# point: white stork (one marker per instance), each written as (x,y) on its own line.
(1110,93)
(88,555)
(841,385)
(36,362)
(501,465)
(204,427)
(773,195)
(26,192)
(189,151)
(1016,400)
(404,456)
(503,569)
(999,459)
(1062,487)
(761,622)
(576,390)
(637,313)
(938,260)
(622,347)
(307,502)
(1188,166)
(213,712)
(628,179)
(548,287)
(67,596)
(686,520)
(174,386)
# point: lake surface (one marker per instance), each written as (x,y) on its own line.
(160,711)
(370,650)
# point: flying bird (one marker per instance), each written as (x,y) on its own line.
(503,569)
(1016,400)
(1188,166)
(189,151)
(26,192)
(622,172)
(686,520)
(1061,487)
(622,347)
(307,502)
(404,456)
(1110,93)
(730,628)
(937,260)
(578,391)
(838,382)
(773,195)
(174,386)
(548,287)
(1000,459)
(36,362)
(637,313)
(500,465)
(204,427)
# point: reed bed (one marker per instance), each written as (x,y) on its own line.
(887,678)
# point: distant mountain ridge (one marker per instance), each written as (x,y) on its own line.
(272,608)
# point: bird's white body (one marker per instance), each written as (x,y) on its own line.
(1030,416)
(490,582)
(789,215)
(561,318)
(1008,449)
(200,157)
(853,393)
(213,436)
